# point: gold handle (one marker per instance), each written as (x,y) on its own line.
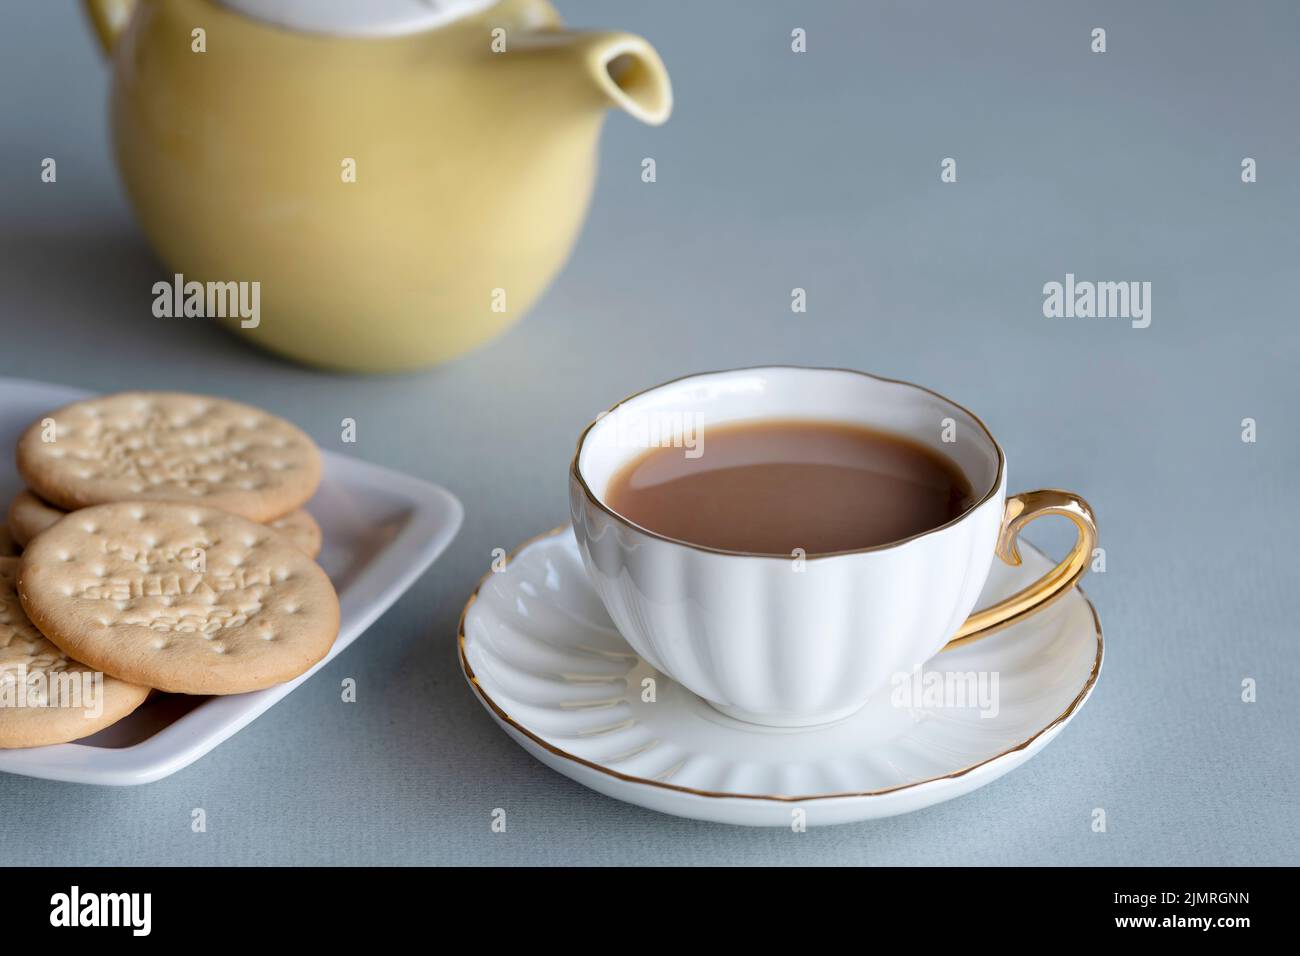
(109,18)
(1022,509)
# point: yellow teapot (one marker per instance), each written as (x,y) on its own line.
(397,180)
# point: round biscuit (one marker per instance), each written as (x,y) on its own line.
(300,528)
(184,598)
(169,446)
(45,696)
(29,515)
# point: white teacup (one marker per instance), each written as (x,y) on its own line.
(787,642)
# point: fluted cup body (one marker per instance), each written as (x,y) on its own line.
(786,640)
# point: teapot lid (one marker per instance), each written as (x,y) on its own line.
(359,18)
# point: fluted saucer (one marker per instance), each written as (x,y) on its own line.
(543,657)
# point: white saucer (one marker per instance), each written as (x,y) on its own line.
(543,656)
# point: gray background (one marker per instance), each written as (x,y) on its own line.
(780,170)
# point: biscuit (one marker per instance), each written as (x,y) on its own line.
(29,516)
(169,446)
(8,546)
(300,528)
(46,697)
(184,598)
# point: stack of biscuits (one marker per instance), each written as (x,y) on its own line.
(160,544)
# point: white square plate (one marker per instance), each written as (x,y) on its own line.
(381,530)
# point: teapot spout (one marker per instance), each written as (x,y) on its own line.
(615,69)
(627,71)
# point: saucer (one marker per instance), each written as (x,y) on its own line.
(546,661)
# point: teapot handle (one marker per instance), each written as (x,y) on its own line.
(109,18)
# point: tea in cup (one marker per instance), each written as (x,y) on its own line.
(782,541)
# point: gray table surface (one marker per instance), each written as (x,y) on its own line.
(778,170)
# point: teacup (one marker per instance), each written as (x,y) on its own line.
(801,640)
